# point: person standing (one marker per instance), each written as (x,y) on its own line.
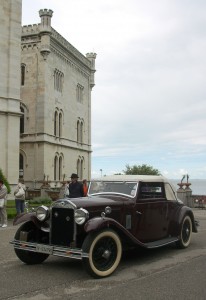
(75,187)
(85,187)
(3,197)
(19,194)
(66,190)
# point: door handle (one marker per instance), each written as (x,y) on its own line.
(138,212)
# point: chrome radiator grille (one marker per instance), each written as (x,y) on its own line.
(62,226)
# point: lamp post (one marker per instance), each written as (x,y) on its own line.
(101,172)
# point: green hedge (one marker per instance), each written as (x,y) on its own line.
(2,177)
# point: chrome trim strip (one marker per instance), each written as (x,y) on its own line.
(57,251)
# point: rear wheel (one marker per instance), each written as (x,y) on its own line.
(185,234)
(25,256)
(105,251)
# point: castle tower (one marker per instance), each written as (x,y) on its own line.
(56,101)
(92,56)
(45,31)
(10,42)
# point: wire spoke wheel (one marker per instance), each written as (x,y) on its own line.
(25,256)
(104,251)
(186,232)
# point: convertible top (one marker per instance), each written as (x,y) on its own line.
(143,178)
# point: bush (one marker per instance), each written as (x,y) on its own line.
(40,200)
(2,177)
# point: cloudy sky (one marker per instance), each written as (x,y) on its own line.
(149,102)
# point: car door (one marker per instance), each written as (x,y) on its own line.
(150,213)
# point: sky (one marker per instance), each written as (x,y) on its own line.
(149,101)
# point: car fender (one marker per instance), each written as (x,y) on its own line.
(99,223)
(25,217)
(186,211)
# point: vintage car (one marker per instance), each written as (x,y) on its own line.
(120,211)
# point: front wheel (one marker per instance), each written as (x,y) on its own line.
(105,251)
(185,234)
(25,256)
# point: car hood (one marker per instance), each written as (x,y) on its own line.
(96,202)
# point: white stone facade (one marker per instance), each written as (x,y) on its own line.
(10,38)
(56,84)
(45,101)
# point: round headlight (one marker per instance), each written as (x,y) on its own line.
(42,213)
(81,215)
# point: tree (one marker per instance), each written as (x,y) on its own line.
(2,177)
(141,170)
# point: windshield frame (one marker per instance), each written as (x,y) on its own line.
(102,184)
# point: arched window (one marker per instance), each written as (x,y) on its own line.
(80,126)
(21,166)
(58,80)
(81,132)
(60,124)
(80,167)
(56,168)
(55,123)
(79,93)
(23,70)
(60,167)
(78,131)
(22,120)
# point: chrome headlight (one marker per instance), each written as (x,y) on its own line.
(81,215)
(42,213)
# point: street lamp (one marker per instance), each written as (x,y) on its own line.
(101,172)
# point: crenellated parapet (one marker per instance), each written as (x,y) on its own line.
(30,29)
(45,15)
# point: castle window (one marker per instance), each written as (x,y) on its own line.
(60,125)
(56,168)
(55,123)
(21,166)
(79,93)
(79,131)
(60,168)
(58,122)
(22,120)
(80,167)
(23,70)
(58,80)
(58,165)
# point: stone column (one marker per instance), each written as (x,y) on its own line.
(91,57)
(181,193)
(188,193)
(10,45)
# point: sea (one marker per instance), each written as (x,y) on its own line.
(198,186)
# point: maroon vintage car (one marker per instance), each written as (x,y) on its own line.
(120,211)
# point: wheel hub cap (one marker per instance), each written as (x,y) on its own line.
(106,254)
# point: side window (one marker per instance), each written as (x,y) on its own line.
(151,190)
(170,193)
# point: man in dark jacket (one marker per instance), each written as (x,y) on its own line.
(75,187)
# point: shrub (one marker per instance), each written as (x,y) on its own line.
(40,200)
(2,177)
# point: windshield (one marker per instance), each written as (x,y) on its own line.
(119,187)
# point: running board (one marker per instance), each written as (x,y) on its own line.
(160,243)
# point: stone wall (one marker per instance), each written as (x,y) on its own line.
(10,39)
